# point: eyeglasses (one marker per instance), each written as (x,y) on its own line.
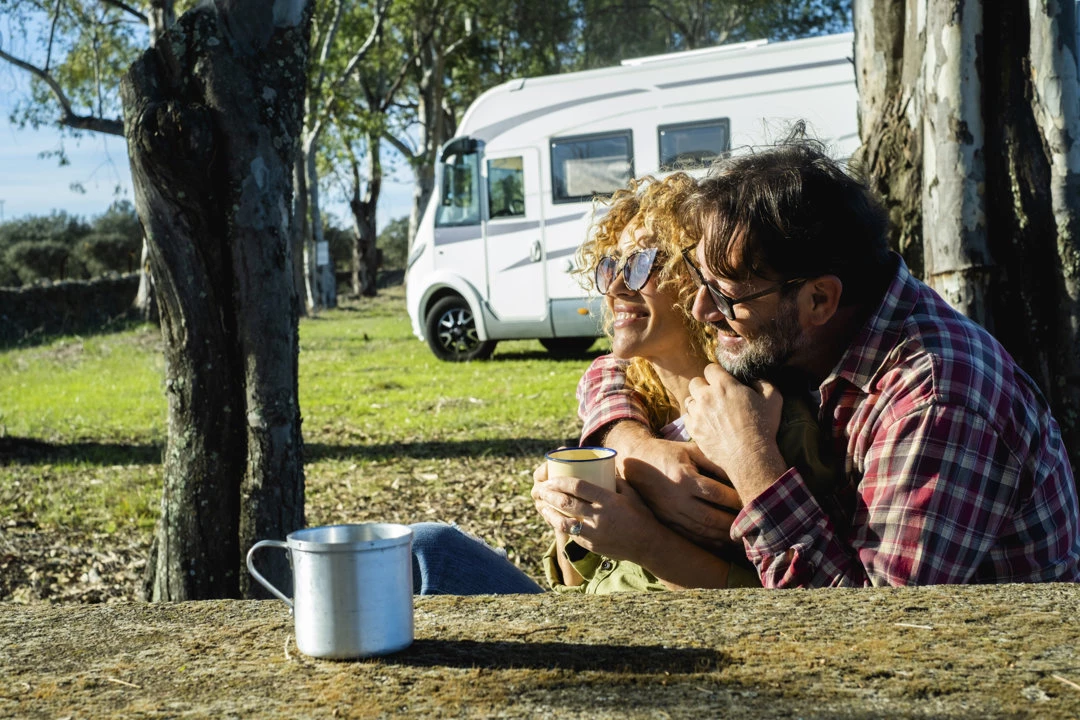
(725,304)
(636,270)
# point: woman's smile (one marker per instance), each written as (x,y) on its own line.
(626,316)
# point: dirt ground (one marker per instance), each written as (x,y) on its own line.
(489,496)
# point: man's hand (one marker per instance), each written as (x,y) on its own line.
(735,427)
(667,476)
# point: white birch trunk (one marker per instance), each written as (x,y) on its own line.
(957,257)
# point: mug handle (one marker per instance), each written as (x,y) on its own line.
(255,573)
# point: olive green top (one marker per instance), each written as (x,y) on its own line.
(800,444)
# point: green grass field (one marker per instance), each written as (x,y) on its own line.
(390,432)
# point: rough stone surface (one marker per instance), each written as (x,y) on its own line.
(1003,651)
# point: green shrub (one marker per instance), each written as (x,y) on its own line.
(42,260)
(113,252)
(58,227)
(8,277)
(119,219)
(394,243)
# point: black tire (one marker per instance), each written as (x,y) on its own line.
(567,347)
(451,332)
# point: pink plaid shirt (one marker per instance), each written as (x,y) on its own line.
(955,470)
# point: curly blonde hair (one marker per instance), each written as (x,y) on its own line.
(654,204)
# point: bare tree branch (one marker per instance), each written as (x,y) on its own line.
(68,117)
(52,35)
(381,8)
(401,146)
(128,9)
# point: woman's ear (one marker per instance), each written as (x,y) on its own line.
(820,298)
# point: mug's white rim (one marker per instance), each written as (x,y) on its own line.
(608,453)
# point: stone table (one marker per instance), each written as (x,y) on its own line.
(1000,651)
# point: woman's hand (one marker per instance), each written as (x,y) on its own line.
(621,526)
(616,524)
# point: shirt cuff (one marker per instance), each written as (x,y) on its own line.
(780,518)
(553,573)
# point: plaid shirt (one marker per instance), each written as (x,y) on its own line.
(955,469)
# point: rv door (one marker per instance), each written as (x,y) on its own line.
(514,237)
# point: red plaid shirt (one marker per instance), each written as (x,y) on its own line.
(955,470)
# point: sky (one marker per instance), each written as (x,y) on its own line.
(35,185)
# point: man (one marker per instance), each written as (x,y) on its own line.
(952,469)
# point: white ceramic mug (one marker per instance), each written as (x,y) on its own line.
(352,588)
(592,464)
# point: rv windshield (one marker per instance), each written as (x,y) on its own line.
(459,200)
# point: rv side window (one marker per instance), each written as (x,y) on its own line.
(589,165)
(506,187)
(459,198)
(693,145)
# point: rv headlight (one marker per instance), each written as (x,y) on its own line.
(417,251)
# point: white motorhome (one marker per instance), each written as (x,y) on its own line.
(494,253)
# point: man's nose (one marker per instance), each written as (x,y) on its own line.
(704,309)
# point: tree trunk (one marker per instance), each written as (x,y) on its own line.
(995,107)
(213,120)
(434,130)
(888,64)
(324,284)
(365,270)
(299,234)
(145,303)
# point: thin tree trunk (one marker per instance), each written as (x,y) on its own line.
(213,187)
(145,303)
(299,234)
(365,251)
(958,261)
(324,284)
(890,48)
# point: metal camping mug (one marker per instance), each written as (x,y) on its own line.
(352,587)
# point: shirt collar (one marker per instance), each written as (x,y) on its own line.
(880,334)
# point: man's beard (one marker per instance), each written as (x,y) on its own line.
(764,357)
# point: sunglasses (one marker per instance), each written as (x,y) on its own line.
(636,270)
(726,305)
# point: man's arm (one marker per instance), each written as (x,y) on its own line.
(937,485)
(665,473)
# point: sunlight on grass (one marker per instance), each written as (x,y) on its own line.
(369,392)
(107,386)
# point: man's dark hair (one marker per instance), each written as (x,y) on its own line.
(790,211)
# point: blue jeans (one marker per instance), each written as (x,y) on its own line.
(447,561)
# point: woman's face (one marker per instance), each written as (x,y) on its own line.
(646,323)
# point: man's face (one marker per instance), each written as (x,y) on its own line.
(765,334)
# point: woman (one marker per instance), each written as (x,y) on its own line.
(618,544)
(633,255)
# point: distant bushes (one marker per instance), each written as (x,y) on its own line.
(29,314)
(62,247)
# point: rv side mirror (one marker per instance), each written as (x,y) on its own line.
(459,146)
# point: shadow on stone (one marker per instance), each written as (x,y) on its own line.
(577,657)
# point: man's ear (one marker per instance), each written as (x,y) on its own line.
(820,298)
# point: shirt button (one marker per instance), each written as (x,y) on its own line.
(606,565)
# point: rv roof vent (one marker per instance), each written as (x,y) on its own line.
(693,53)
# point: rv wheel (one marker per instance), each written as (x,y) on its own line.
(567,347)
(451,332)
